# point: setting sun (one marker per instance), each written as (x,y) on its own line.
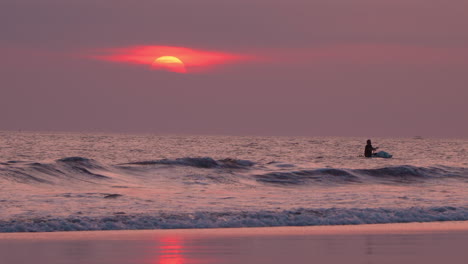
(169,63)
(174,59)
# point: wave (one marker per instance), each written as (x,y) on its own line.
(89,170)
(408,171)
(204,162)
(395,174)
(302,176)
(71,168)
(295,217)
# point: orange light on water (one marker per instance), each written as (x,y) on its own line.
(171,260)
(174,249)
(174,59)
(171,251)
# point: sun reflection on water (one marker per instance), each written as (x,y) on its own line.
(171,251)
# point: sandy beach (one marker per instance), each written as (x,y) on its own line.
(427,243)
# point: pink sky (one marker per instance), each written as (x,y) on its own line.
(322,68)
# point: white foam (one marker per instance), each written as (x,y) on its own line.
(297,217)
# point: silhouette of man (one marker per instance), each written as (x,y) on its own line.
(369,149)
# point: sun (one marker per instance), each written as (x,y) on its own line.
(169,63)
(173,59)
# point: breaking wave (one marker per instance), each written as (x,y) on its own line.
(71,168)
(396,174)
(295,217)
(204,162)
(89,170)
(301,177)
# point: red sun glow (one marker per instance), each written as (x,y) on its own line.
(173,59)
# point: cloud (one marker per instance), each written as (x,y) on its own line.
(194,60)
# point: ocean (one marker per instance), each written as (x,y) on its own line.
(98,181)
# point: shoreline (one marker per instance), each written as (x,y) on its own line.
(387,228)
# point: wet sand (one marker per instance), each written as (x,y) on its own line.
(440,242)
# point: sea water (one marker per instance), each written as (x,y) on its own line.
(96,181)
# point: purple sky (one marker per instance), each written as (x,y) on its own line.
(329,67)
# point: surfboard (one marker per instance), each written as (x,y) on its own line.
(382,154)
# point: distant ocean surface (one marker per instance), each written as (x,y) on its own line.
(73,181)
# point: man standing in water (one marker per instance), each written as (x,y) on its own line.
(369,149)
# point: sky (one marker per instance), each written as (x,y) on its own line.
(393,68)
